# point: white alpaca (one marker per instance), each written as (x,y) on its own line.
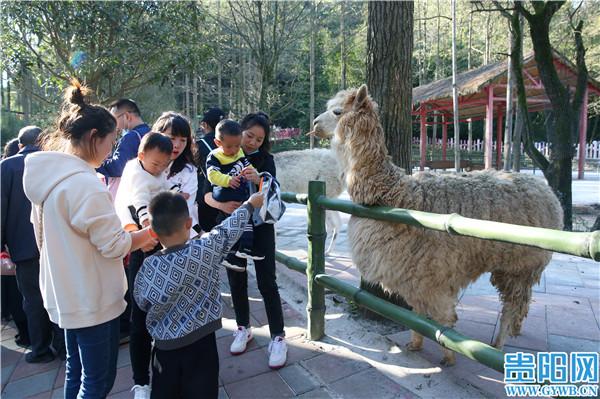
(296,168)
(429,268)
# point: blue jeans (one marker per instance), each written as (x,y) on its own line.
(91,360)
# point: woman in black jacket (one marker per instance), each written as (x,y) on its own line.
(255,143)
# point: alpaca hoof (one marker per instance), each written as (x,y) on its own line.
(414,347)
(448,361)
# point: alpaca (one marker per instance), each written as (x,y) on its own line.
(429,268)
(296,168)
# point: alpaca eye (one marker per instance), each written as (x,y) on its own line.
(337,112)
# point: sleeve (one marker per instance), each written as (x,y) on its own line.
(126,150)
(213,172)
(142,284)
(269,165)
(222,237)
(140,196)
(247,163)
(5,188)
(189,183)
(95,216)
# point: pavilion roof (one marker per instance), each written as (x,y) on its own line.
(471,86)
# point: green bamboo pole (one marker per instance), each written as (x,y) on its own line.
(447,337)
(316,261)
(586,245)
(295,198)
(290,262)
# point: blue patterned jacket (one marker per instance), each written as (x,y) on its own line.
(179,287)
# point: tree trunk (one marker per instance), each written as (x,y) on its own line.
(343,44)
(469,66)
(455,114)
(311,106)
(194,114)
(509,105)
(186,89)
(389,72)
(517,51)
(565,114)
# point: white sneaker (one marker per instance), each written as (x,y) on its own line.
(278,353)
(141,391)
(242,336)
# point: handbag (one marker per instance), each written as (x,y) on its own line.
(7,266)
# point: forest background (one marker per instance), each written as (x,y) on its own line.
(241,56)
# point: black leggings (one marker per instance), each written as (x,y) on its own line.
(264,242)
(140,342)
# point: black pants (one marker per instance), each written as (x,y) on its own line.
(188,372)
(264,242)
(42,332)
(11,296)
(140,342)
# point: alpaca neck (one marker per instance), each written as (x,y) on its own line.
(365,173)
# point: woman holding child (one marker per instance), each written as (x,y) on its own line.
(81,242)
(256,145)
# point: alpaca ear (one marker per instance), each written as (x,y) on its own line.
(362,96)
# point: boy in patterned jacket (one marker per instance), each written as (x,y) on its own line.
(179,288)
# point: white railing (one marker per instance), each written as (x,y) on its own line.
(592,150)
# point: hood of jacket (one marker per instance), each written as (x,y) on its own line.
(44,170)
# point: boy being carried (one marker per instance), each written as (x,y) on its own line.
(225,168)
(179,287)
(142,179)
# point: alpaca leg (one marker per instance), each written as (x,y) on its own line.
(515,293)
(445,314)
(416,341)
(333,222)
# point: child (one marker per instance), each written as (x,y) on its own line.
(182,172)
(225,167)
(142,179)
(179,288)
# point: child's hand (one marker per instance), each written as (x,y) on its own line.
(146,223)
(185,195)
(251,174)
(256,200)
(229,206)
(235,182)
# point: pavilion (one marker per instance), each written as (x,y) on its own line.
(482,95)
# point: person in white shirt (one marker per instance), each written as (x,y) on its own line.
(182,172)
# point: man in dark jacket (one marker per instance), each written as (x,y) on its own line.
(129,121)
(18,236)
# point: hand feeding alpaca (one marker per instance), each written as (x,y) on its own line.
(426,267)
(296,168)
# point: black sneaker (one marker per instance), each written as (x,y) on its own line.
(234,264)
(23,342)
(247,253)
(45,358)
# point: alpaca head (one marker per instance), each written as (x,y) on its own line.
(357,134)
(324,124)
